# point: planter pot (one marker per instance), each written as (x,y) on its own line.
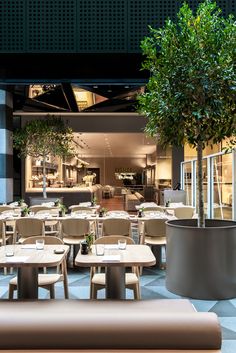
(201,262)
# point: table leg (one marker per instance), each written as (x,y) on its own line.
(115,282)
(27,286)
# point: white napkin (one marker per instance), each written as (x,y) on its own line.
(28,246)
(111,258)
(111,246)
(15,259)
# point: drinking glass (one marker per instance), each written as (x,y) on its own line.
(39,244)
(122,244)
(9,250)
(100,248)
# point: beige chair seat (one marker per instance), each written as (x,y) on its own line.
(155,240)
(72,240)
(43,279)
(130,279)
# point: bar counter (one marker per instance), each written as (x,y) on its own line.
(70,196)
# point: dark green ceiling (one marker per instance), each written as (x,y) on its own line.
(84,26)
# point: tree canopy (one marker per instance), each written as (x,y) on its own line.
(191,93)
(44,137)
(40,138)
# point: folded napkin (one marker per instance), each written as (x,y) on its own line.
(28,246)
(16,259)
(111,246)
(111,258)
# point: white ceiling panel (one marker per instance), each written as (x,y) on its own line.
(114,144)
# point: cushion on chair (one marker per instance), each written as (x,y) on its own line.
(43,279)
(130,278)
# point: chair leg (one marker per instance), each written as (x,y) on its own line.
(12,288)
(65,280)
(136,290)
(52,291)
(68,256)
(93,291)
(76,248)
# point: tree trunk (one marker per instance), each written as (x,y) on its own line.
(44,179)
(201,218)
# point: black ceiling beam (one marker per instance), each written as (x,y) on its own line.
(70,96)
(78,68)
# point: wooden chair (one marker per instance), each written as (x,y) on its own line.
(185,212)
(28,227)
(73,231)
(81,209)
(98,280)
(46,280)
(51,227)
(37,208)
(118,226)
(9,225)
(153,209)
(4,238)
(154,234)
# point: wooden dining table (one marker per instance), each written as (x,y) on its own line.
(115,261)
(27,259)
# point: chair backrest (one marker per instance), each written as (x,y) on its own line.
(27,227)
(75,227)
(184,212)
(155,227)
(52,211)
(113,239)
(81,209)
(117,212)
(117,226)
(47,240)
(2,229)
(223,212)
(4,208)
(37,208)
(153,209)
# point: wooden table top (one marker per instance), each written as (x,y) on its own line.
(31,257)
(133,255)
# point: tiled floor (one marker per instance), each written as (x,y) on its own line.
(152,287)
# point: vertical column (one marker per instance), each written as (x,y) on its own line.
(177,158)
(6,157)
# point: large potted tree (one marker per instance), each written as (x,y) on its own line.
(191,98)
(40,138)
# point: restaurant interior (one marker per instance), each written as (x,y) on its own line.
(96,266)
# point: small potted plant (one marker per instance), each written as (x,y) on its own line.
(62,210)
(21,202)
(57,202)
(102,211)
(168,203)
(140,212)
(94,201)
(89,239)
(24,211)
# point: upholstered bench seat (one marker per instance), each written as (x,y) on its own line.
(107,326)
(132,200)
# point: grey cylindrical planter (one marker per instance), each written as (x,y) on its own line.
(201,262)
